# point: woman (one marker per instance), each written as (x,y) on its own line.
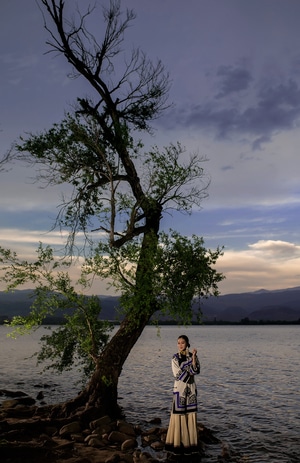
(182,432)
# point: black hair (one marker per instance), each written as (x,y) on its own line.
(183,336)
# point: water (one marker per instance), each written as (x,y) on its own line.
(248,388)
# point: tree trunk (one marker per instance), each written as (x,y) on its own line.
(102,389)
(101,394)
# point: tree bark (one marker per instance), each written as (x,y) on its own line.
(100,396)
(102,390)
(101,393)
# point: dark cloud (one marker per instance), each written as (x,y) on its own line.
(277,108)
(272,109)
(258,142)
(233,80)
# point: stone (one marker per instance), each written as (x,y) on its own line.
(115,458)
(104,420)
(126,428)
(157,445)
(103,429)
(40,396)
(25,400)
(41,438)
(126,458)
(50,430)
(155,421)
(146,458)
(149,438)
(71,428)
(95,442)
(9,403)
(77,437)
(128,444)
(117,436)
(12,393)
(150,431)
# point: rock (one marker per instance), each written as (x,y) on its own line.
(104,420)
(43,437)
(206,435)
(225,450)
(95,442)
(77,437)
(136,456)
(23,400)
(155,421)
(127,458)
(150,431)
(115,458)
(9,403)
(45,386)
(128,444)
(117,436)
(71,428)
(104,429)
(50,430)
(126,428)
(146,458)
(157,445)
(40,396)
(147,440)
(12,393)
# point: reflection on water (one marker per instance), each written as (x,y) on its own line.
(248,388)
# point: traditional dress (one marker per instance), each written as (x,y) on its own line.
(182,432)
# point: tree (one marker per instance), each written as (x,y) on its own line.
(120,190)
(81,338)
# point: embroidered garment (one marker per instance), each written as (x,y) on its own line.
(182,431)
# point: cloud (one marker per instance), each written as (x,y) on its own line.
(242,106)
(17,69)
(25,244)
(276,249)
(233,80)
(266,264)
(257,144)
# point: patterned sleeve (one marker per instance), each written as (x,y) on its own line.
(183,371)
(196,370)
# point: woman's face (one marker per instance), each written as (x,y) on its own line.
(181,344)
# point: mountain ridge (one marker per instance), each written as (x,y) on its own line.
(261,305)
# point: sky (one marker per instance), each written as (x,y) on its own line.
(235,94)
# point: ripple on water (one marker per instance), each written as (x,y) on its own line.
(248,388)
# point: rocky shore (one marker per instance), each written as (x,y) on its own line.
(29,434)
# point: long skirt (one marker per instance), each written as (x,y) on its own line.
(182,435)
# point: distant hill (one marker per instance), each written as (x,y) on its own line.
(19,302)
(278,305)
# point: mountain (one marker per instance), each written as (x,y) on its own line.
(19,302)
(279,305)
(263,305)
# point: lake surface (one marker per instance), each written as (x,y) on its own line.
(248,389)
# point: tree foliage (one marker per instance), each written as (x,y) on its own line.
(119,189)
(183,271)
(81,338)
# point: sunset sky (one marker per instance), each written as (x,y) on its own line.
(235,71)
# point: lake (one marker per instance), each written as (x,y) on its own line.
(248,389)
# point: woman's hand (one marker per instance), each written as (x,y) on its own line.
(194,353)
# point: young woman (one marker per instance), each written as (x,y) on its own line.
(182,432)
